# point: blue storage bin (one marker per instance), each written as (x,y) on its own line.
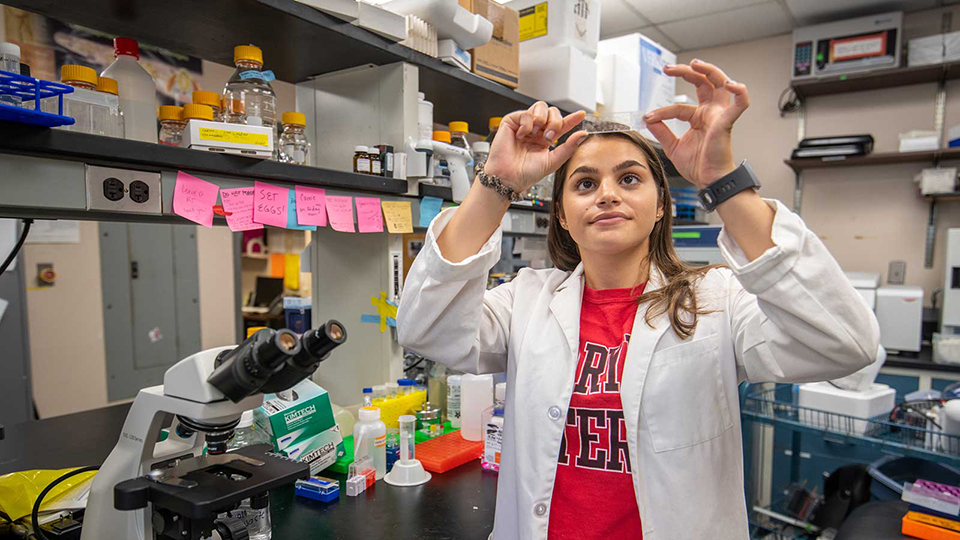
(891,472)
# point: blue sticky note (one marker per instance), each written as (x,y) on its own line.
(429,208)
(292,213)
(375,319)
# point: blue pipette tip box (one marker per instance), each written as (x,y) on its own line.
(318,488)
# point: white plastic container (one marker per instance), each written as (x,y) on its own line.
(562,76)
(424,117)
(900,315)
(648,85)
(476,396)
(547,24)
(370,439)
(823,396)
(450,19)
(453,400)
(866,283)
(138,91)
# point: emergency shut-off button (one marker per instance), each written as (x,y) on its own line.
(554,413)
(540,510)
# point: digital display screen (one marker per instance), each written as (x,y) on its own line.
(686,234)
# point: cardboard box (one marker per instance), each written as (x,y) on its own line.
(238,139)
(302,428)
(498,60)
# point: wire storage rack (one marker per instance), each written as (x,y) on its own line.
(911,429)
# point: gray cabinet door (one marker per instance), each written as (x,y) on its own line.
(16,398)
(151,305)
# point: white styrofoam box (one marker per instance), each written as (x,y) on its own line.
(451,53)
(919,141)
(654,88)
(348,10)
(617,84)
(381,21)
(938,180)
(900,315)
(925,50)
(863,379)
(450,19)
(563,76)
(951,47)
(545,24)
(823,396)
(950,314)
(866,283)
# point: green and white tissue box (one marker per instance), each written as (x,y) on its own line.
(301,425)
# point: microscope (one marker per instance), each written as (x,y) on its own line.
(150,489)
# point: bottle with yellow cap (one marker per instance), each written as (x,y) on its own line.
(441,170)
(293,140)
(494,126)
(458,134)
(171,125)
(80,103)
(250,86)
(212,100)
(107,118)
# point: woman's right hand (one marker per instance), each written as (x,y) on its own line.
(520,154)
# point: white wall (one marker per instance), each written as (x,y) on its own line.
(866,216)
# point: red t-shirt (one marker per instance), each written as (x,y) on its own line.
(593,496)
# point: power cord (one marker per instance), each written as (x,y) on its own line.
(35,514)
(13,253)
(792,104)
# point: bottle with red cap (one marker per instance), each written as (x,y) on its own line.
(138,91)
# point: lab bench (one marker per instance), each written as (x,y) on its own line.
(456,504)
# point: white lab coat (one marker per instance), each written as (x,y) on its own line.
(790,315)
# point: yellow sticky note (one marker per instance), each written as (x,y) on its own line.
(291,271)
(399,217)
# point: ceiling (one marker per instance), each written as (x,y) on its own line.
(682,25)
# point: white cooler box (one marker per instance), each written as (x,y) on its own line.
(823,396)
(563,76)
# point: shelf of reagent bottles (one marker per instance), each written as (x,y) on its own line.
(112,152)
(298,42)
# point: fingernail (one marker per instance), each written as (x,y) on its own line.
(648,116)
(695,60)
(549,135)
(670,66)
(731,81)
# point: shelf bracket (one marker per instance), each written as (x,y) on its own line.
(931,235)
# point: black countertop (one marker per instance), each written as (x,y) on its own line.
(923,360)
(457,504)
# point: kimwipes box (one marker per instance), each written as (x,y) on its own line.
(239,139)
(301,425)
(498,60)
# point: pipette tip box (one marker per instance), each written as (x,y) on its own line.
(447,452)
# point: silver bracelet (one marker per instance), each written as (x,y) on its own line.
(495,183)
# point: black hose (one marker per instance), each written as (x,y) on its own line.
(16,248)
(35,515)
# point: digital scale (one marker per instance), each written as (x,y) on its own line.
(697,244)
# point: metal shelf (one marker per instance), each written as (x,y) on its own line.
(882,158)
(761,405)
(875,80)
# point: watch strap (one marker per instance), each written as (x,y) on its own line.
(740,179)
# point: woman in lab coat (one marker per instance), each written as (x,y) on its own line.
(648,441)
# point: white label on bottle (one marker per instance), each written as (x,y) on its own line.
(363,165)
(493,441)
(389,161)
(380,441)
(453,405)
(376,166)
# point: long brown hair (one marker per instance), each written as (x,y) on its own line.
(678,295)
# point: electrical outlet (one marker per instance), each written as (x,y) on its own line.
(897,272)
(123,190)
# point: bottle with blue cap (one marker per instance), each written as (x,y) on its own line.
(368,397)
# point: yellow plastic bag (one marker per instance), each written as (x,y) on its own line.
(19,491)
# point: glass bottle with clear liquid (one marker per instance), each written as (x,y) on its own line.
(293,140)
(249,86)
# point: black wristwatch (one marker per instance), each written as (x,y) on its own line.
(742,178)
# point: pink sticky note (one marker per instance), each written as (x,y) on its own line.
(239,202)
(194,198)
(270,204)
(369,216)
(340,211)
(311,206)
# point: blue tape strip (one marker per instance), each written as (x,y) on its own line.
(375,319)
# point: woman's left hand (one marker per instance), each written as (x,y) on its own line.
(704,153)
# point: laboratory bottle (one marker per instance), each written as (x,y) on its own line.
(424,116)
(293,140)
(437,389)
(361,161)
(138,91)
(10,62)
(192,111)
(458,134)
(171,125)
(453,400)
(370,439)
(493,430)
(407,386)
(368,397)
(249,86)
(259,525)
(108,119)
(494,126)
(376,166)
(379,392)
(393,390)
(233,111)
(476,394)
(80,103)
(210,99)
(481,151)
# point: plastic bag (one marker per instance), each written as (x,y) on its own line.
(19,491)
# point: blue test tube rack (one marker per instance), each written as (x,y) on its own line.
(29,89)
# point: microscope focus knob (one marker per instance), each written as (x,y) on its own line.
(232,529)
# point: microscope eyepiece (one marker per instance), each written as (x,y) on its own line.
(244,370)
